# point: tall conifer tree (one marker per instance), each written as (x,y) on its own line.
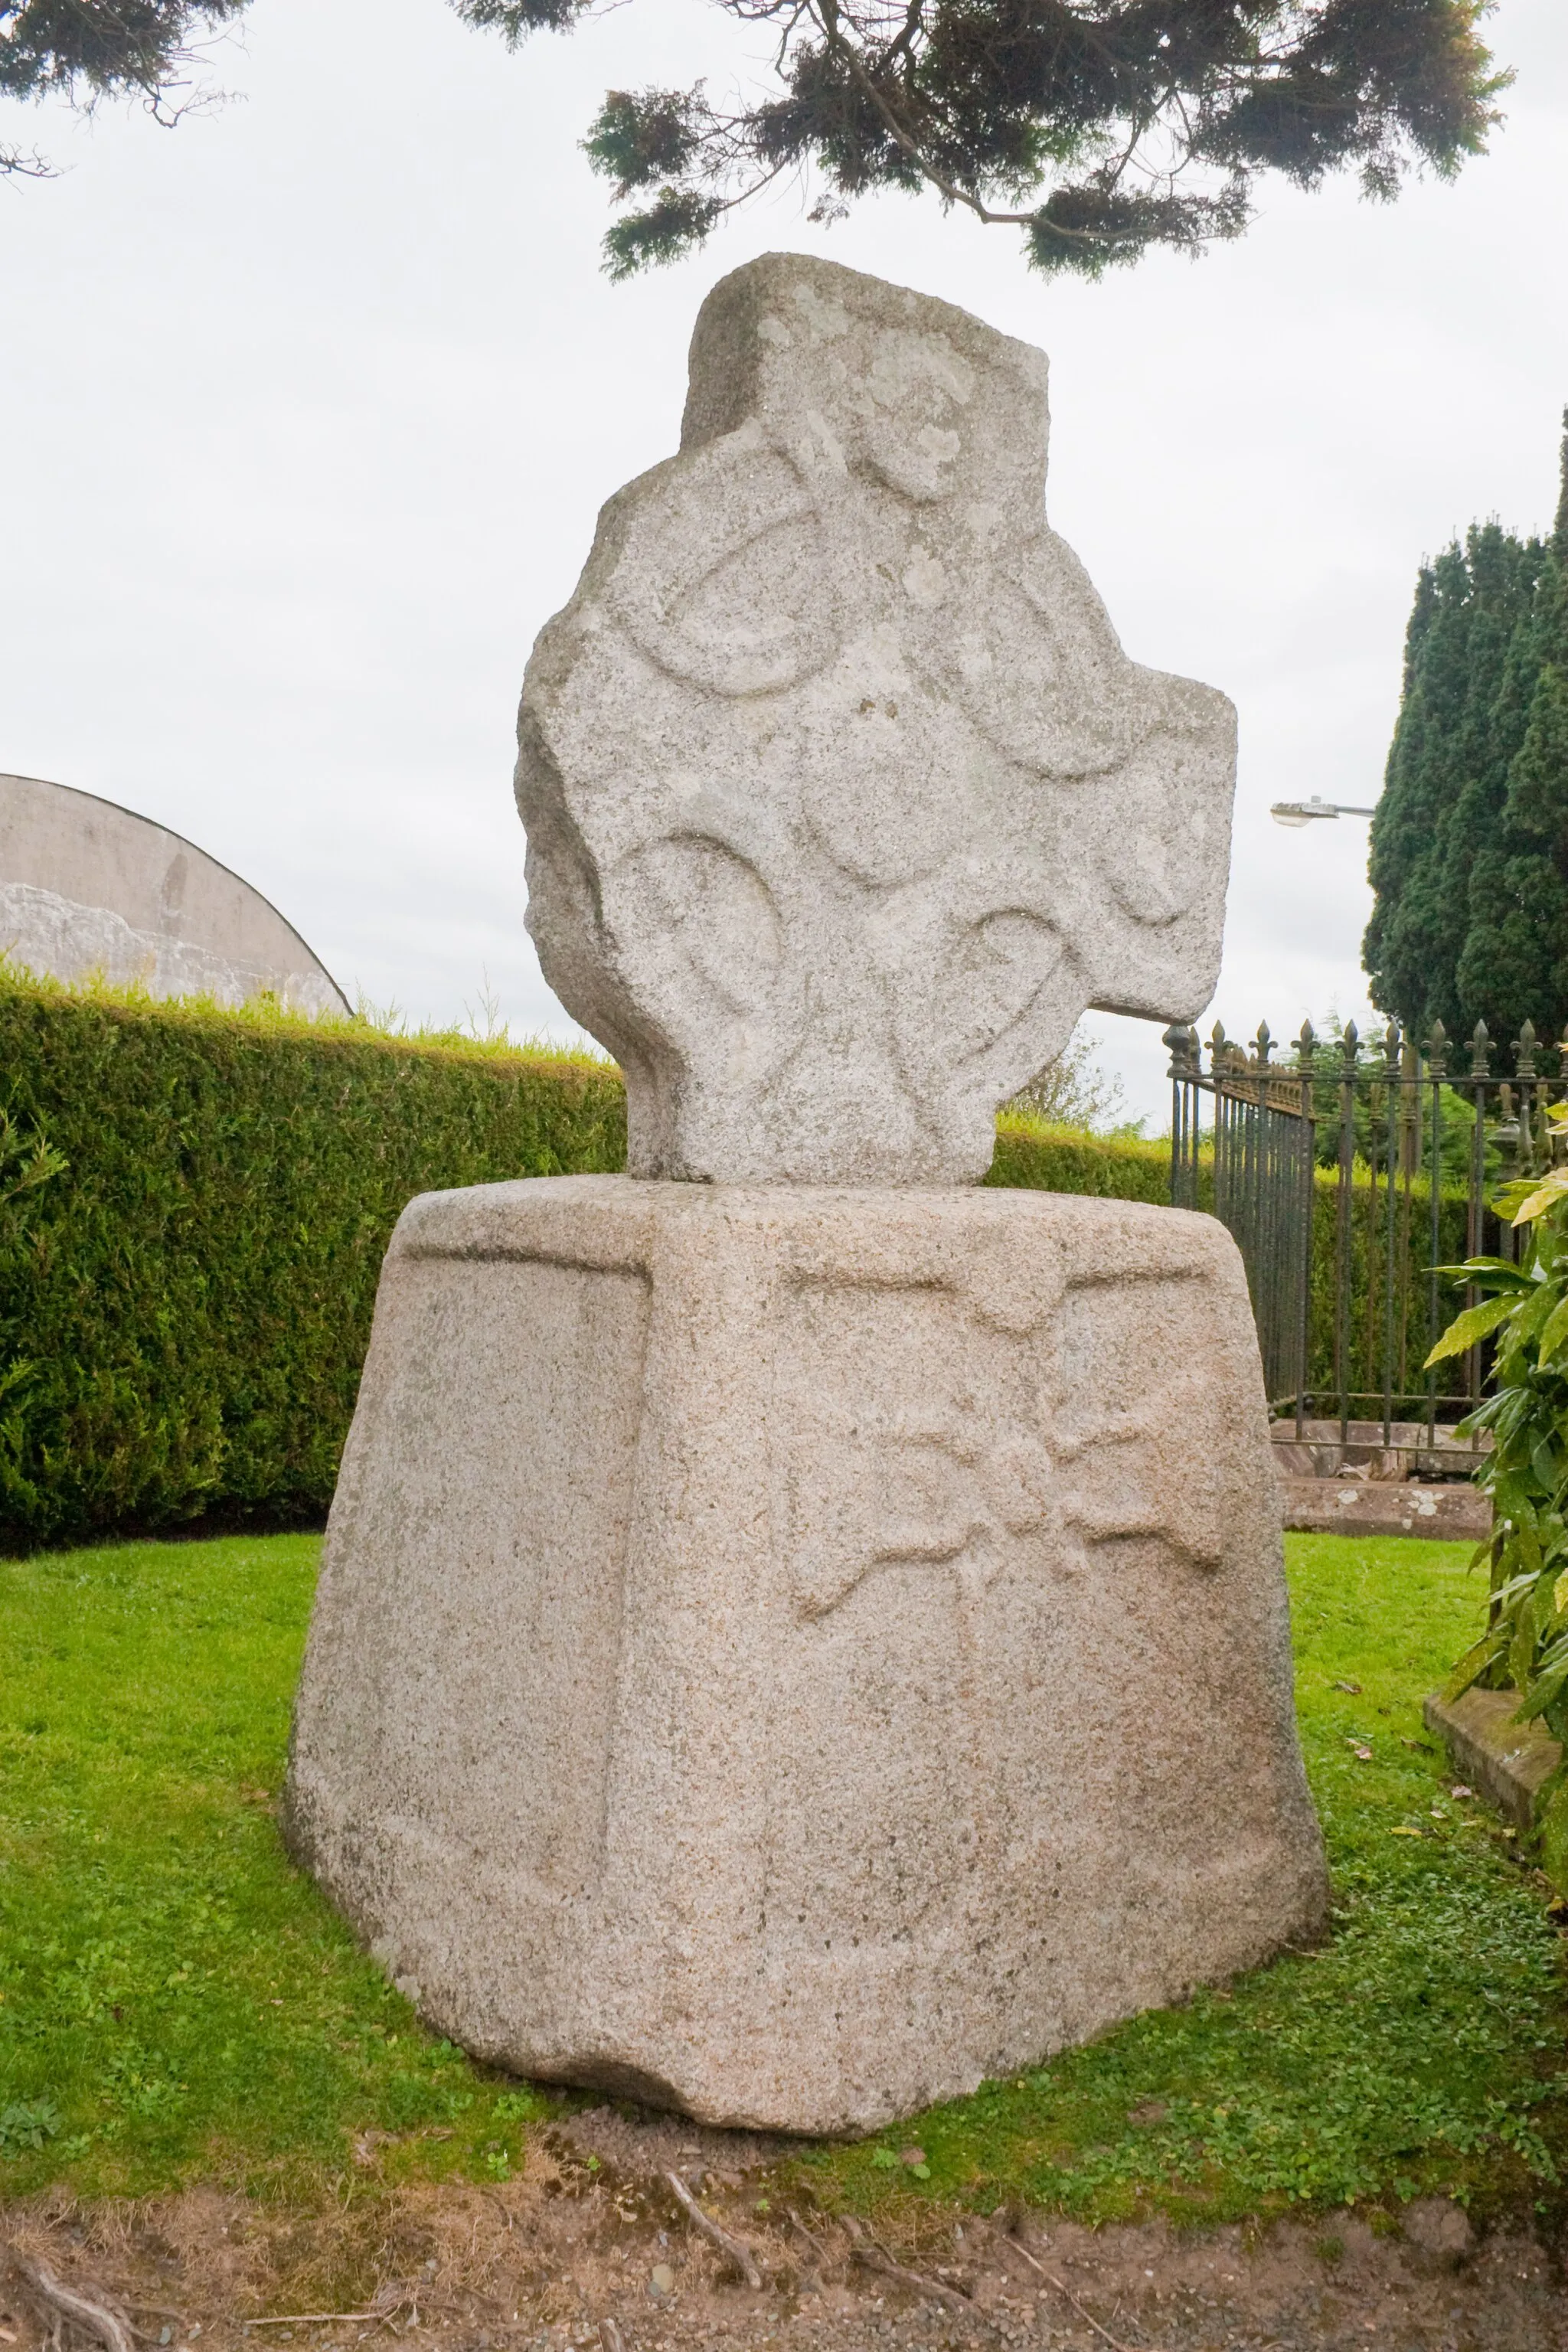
(1469,846)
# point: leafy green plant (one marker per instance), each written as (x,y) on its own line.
(27,2124)
(1524,1312)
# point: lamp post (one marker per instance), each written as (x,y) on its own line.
(1298,812)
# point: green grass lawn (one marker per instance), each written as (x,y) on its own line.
(176,2002)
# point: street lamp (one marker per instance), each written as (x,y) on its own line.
(1298,812)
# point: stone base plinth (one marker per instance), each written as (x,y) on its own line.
(788,1654)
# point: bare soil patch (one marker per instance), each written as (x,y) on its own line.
(590,2246)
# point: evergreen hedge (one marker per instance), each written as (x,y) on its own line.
(1045,1159)
(194,1203)
(1368,1323)
(185,1300)
(184,1305)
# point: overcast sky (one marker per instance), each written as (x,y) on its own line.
(309,406)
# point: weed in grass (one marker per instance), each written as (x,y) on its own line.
(27,2123)
(176,2002)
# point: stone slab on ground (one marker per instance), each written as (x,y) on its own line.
(789,1654)
(1365,1507)
(1507,1761)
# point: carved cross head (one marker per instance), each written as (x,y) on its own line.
(843,800)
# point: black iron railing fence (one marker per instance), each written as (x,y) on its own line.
(1349,1175)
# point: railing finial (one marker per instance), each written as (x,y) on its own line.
(1481,1051)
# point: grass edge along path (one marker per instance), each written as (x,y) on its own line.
(177,2003)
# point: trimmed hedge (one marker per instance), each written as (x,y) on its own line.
(184,1306)
(184,1309)
(1064,1160)
(185,1303)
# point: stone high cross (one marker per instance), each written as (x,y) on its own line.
(794,1644)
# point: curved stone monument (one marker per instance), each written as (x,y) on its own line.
(87,887)
(794,1644)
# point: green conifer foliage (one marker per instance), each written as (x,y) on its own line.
(1101,130)
(1469,845)
(85,50)
(1537,805)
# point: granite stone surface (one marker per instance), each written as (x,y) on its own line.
(843,800)
(789,1653)
(794,1644)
